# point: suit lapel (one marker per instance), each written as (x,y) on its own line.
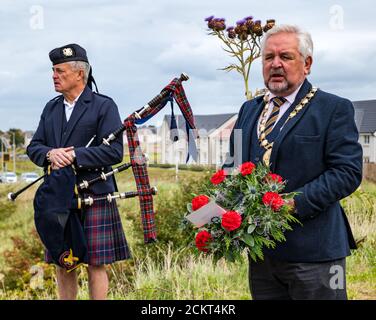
(306,87)
(253,116)
(78,110)
(57,121)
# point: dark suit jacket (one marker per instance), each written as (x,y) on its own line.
(318,153)
(93,114)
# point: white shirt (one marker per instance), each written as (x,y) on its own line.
(69,106)
(283,108)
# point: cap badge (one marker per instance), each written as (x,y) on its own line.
(67,52)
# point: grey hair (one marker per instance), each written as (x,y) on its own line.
(77,65)
(304,38)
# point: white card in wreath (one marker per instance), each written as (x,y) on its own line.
(204,215)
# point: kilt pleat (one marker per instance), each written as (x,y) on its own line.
(104,234)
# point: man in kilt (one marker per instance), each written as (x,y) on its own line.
(68,122)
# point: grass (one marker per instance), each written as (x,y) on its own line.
(360,208)
(163,271)
(24,166)
(181,276)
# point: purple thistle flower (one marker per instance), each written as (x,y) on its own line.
(231,33)
(240,22)
(248,18)
(230,28)
(209,18)
(217,24)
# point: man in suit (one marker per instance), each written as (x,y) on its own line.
(308,137)
(68,123)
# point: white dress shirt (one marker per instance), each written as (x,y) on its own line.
(283,108)
(69,106)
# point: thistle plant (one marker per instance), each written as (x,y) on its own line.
(243,42)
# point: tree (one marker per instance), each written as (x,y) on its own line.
(19,136)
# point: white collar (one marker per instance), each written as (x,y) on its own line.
(290,98)
(74,101)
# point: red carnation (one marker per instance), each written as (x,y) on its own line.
(218,177)
(273,200)
(231,220)
(202,240)
(247,168)
(199,201)
(275,177)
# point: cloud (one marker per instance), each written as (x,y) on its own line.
(136,47)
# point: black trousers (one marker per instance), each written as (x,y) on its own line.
(272,279)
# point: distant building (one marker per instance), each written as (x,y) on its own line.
(149,142)
(212,146)
(365,118)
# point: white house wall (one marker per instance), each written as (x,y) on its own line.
(369,150)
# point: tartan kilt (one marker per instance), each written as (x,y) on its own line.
(104,234)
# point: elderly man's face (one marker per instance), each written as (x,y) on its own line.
(284,68)
(65,78)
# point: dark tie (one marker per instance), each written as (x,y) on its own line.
(277,103)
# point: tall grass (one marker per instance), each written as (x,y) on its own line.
(183,276)
(360,209)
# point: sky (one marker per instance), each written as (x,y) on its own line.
(136,47)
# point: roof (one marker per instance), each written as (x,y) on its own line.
(365,115)
(207,122)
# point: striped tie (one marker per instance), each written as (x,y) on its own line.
(277,103)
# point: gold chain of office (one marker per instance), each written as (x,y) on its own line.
(262,138)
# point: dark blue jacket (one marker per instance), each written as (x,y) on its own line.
(93,114)
(318,153)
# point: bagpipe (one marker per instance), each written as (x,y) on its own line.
(58,222)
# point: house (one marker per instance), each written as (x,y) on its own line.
(365,118)
(212,145)
(149,142)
